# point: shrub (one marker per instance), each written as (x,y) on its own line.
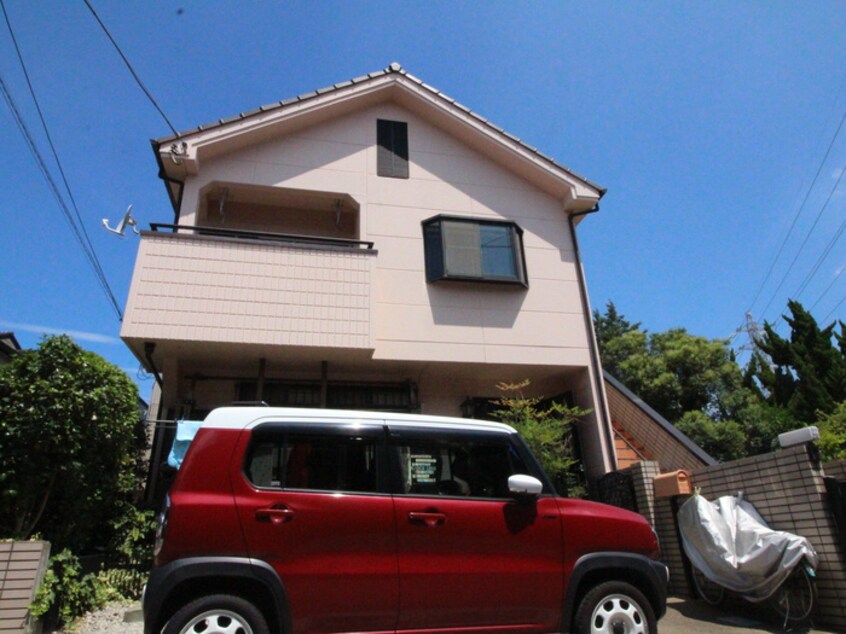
(65,593)
(546,428)
(134,536)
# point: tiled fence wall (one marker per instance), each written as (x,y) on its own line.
(787,489)
(22,565)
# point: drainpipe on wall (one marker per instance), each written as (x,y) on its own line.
(604,416)
(149,348)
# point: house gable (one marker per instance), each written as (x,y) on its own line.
(180,156)
(413,318)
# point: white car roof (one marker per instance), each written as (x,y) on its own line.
(244,417)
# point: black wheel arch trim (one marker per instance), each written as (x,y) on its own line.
(652,571)
(164,579)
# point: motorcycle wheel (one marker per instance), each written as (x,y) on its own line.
(710,592)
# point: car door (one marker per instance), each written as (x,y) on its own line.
(471,557)
(313,503)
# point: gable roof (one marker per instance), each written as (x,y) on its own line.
(179,155)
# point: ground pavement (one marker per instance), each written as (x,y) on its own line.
(687,616)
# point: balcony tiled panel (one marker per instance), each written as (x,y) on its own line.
(193,289)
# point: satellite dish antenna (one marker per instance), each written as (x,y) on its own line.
(126,221)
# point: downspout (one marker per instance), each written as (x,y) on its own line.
(605,418)
(149,348)
(157,448)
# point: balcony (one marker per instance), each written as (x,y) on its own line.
(198,285)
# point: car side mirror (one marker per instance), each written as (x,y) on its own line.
(524,486)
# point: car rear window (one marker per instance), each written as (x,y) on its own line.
(291,459)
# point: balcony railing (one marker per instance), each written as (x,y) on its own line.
(288,238)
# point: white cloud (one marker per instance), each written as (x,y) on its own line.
(79,335)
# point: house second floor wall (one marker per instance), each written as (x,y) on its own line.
(323,180)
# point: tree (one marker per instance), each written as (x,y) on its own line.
(807,373)
(832,427)
(676,372)
(696,384)
(546,430)
(724,440)
(611,330)
(70,439)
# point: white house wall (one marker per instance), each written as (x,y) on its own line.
(411,319)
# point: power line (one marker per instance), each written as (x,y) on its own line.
(798,214)
(821,259)
(58,195)
(87,244)
(807,237)
(828,288)
(131,70)
(833,310)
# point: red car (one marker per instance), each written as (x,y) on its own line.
(320,521)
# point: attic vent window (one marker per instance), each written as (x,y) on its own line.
(392,153)
(467,249)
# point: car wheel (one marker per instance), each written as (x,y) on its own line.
(615,607)
(217,614)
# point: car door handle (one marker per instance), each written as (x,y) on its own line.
(275,514)
(429,518)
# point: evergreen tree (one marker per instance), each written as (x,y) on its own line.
(807,374)
(614,345)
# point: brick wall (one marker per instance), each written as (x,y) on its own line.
(787,489)
(660,513)
(661,440)
(836,470)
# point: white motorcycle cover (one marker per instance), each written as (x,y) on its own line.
(733,546)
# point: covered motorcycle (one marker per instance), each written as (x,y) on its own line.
(732,545)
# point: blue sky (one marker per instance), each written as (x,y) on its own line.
(706,122)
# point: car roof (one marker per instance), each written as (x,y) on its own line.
(243,417)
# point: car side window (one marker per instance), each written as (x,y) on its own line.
(285,459)
(462,465)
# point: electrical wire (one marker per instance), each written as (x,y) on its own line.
(825,253)
(833,310)
(805,241)
(131,69)
(828,288)
(798,212)
(39,160)
(87,244)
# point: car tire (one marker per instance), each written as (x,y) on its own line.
(217,614)
(613,607)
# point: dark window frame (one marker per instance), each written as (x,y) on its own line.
(435,248)
(391,148)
